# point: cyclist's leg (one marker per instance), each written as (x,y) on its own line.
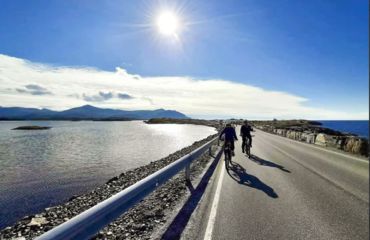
(226,158)
(243,142)
(232,147)
(226,146)
(248,147)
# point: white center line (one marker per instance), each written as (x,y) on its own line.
(212,215)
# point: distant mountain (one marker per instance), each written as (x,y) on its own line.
(24,113)
(86,112)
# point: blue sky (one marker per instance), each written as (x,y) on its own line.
(317,50)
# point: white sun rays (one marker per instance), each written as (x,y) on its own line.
(163,25)
(168,23)
(70,87)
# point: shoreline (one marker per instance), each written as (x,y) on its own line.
(34,225)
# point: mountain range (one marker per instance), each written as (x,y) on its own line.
(86,112)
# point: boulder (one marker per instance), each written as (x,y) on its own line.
(323,139)
(308,137)
(357,146)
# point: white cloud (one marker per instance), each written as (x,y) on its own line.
(195,97)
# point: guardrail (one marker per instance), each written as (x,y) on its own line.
(88,223)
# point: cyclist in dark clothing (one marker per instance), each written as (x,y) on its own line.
(230,135)
(245,132)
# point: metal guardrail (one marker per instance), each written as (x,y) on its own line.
(89,222)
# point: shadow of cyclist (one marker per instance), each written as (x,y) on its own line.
(238,173)
(264,162)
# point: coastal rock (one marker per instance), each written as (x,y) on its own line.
(38,221)
(357,146)
(308,137)
(295,135)
(322,139)
(311,132)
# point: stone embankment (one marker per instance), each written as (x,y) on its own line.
(303,131)
(140,222)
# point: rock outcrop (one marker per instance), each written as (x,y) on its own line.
(302,131)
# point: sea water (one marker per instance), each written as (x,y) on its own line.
(41,168)
(359,127)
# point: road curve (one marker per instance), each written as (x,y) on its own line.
(287,190)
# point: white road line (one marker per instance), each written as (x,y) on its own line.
(213,213)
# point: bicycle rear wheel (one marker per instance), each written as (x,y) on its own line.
(227,158)
(226,162)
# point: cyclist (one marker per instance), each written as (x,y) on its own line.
(245,132)
(230,136)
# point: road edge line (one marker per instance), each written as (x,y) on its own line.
(213,213)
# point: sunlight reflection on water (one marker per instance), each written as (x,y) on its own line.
(43,168)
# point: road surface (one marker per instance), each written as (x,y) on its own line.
(287,190)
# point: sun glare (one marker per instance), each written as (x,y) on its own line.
(168,23)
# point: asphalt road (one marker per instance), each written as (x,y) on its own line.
(287,190)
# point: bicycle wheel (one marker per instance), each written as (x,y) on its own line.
(230,156)
(226,161)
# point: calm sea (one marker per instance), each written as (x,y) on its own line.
(361,128)
(46,167)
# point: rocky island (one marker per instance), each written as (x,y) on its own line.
(31,128)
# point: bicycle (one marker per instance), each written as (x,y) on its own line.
(228,154)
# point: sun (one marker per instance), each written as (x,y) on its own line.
(168,23)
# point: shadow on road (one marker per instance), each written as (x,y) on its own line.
(239,174)
(264,162)
(180,221)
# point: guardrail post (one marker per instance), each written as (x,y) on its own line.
(87,224)
(187,172)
